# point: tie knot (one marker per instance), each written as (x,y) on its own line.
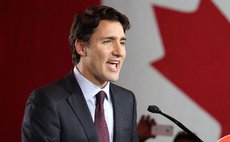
(100,97)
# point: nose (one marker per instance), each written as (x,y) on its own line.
(119,50)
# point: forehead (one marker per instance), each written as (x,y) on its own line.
(109,28)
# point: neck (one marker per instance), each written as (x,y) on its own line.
(94,79)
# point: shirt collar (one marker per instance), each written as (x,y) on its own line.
(88,88)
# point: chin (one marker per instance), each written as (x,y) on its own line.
(111,76)
(113,79)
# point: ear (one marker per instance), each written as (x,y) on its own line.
(80,47)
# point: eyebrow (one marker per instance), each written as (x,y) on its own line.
(112,37)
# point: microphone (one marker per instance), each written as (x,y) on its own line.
(155,109)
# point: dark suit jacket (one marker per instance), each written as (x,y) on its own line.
(58,112)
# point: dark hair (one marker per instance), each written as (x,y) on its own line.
(185,136)
(84,25)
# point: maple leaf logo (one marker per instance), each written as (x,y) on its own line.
(197,57)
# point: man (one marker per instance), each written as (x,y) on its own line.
(184,137)
(66,111)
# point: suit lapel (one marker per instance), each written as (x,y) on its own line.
(80,108)
(123,118)
(117,108)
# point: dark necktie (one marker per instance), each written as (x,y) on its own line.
(100,123)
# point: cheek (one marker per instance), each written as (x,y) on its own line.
(124,53)
(102,53)
(99,56)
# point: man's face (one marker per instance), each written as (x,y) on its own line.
(105,54)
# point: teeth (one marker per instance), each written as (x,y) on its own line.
(113,62)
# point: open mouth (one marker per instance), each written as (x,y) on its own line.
(113,65)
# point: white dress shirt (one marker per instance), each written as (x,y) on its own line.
(89,91)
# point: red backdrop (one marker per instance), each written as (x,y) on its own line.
(34,50)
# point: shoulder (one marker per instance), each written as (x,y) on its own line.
(120,88)
(54,91)
(49,92)
(121,91)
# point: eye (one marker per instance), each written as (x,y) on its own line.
(123,42)
(106,41)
